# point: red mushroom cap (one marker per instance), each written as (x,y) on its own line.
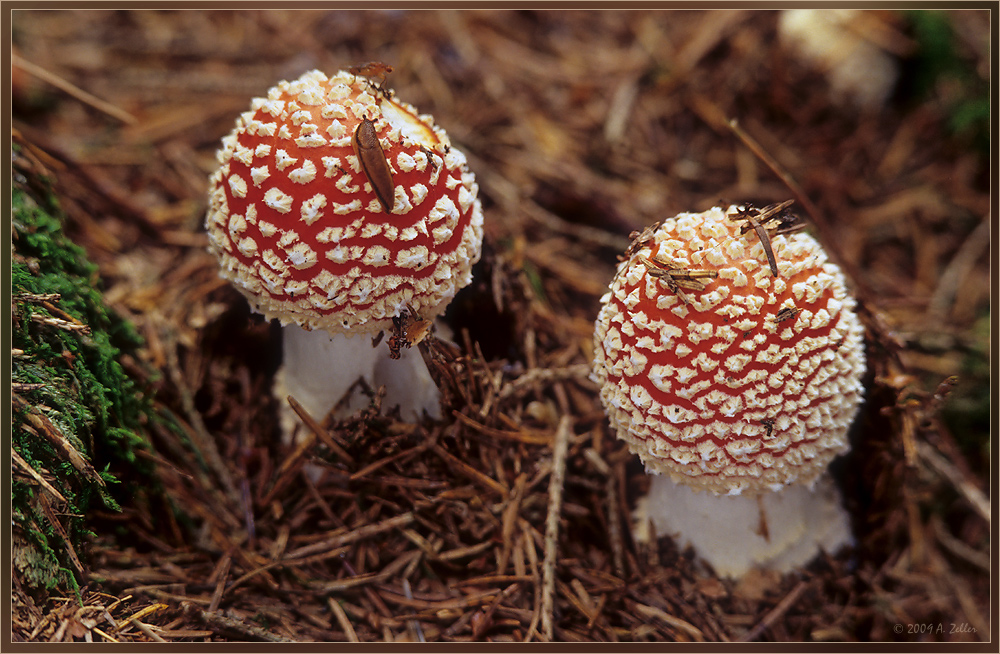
(749,384)
(302,234)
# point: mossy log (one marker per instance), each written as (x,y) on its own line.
(77,417)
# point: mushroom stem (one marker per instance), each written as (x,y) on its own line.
(319,369)
(777,531)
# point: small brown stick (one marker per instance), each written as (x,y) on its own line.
(676,276)
(49,430)
(529,547)
(234,625)
(108,638)
(36,298)
(464,602)
(524,436)
(615,518)
(319,500)
(765,239)
(786,313)
(818,221)
(509,521)
(963,594)
(959,268)
(778,220)
(622,102)
(582,232)
(53,309)
(775,167)
(34,475)
(598,610)
(289,467)
(759,223)
(639,240)
(144,628)
(487,616)
(957,547)
(74,91)
(775,614)
(975,497)
(53,519)
(577,595)
(414,624)
(261,570)
(428,547)
(771,212)
(462,552)
(342,620)
(559,451)
(469,472)
(142,613)
(59,323)
(405,454)
(673,621)
(352,536)
(528,380)
(223,576)
(331,440)
(202,440)
(340,585)
(493,579)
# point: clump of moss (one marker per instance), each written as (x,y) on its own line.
(77,417)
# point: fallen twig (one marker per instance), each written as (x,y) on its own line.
(559,450)
(233,625)
(73,90)
(776,613)
(352,536)
(975,497)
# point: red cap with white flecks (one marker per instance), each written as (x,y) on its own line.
(302,233)
(745,385)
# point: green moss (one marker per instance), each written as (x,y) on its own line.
(940,69)
(77,418)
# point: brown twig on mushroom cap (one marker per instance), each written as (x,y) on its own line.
(676,276)
(757,221)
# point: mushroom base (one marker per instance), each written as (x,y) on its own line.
(728,531)
(319,369)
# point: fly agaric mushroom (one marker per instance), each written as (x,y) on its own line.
(735,386)
(337,208)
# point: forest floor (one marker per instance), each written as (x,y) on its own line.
(581,127)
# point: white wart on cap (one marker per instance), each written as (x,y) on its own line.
(299,229)
(744,386)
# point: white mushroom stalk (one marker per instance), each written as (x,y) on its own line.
(735,386)
(298,219)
